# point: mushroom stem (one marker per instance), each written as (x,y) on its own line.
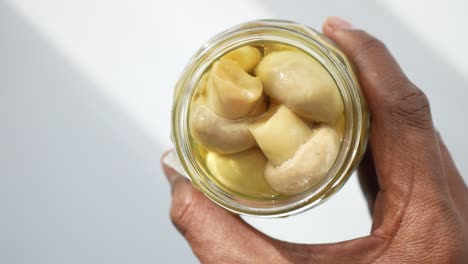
(247,56)
(281,135)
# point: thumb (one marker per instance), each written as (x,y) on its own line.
(217,236)
(214,234)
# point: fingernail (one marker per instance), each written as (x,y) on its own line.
(337,23)
(171,166)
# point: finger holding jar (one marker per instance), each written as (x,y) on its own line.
(420,209)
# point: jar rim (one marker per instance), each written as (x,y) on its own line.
(314,44)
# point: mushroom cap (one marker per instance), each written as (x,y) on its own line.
(309,164)
(230,91)
(301,83)
(241,172)
(224,136)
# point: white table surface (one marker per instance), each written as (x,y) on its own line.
(85,97)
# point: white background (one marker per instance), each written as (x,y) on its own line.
(85,97)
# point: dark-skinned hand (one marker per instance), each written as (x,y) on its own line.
(417,198)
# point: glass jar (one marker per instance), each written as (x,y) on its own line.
(313,43)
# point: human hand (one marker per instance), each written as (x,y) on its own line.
(418,199)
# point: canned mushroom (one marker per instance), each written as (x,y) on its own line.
(269,119)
